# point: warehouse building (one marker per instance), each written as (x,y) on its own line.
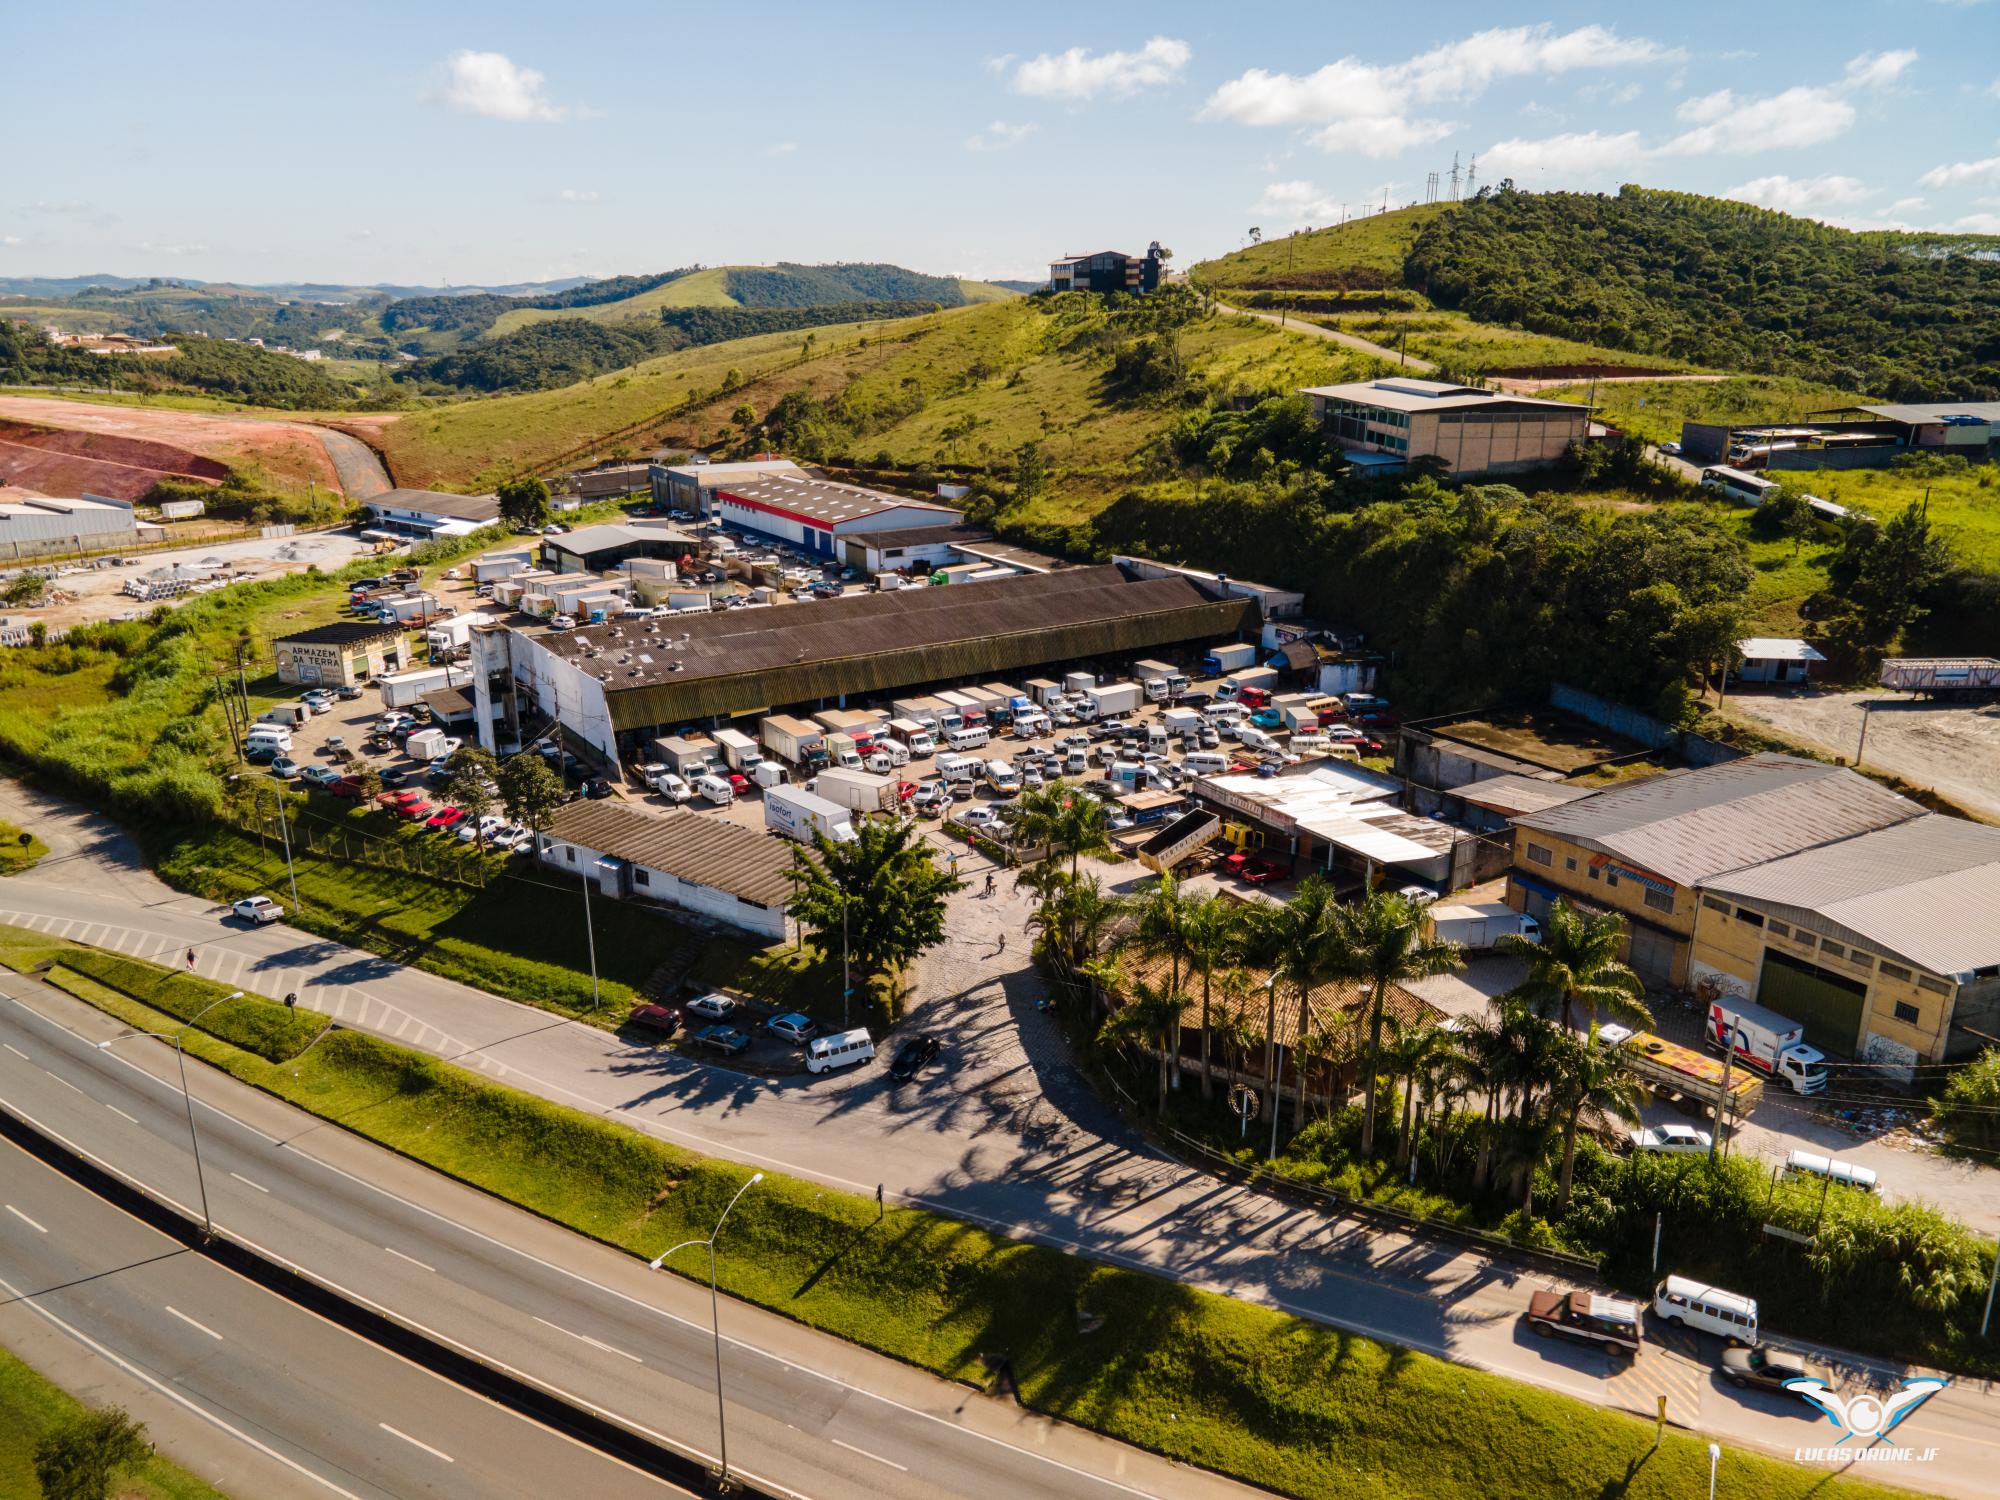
(922,549)
(601,549)
(1850,437)
(343,654)
(818,515)
(690,486)
(1644,849)
(1392,422)
(431,513)
(40,525)
(616,686)
(695,863)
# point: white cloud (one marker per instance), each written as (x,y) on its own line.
(1799,195)
(781,148)
(578,195)
(152,249)
(10,239)
(1367,107)
(1573,155)
(494,85)
(1978,224)
(1725,124)
(1879,69)
(1904,206)
(1294,203)
(999,136)
(1961,172)
(1082,74)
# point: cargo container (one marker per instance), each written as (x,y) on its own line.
(405,689)
(798,814)
(1079,682)
(858,791)
(681,754)
(914,737)
(1231,658)
(792,739)
(1772,1044)
(1043,691)
(1116,698)
(738,750)
(1479,926)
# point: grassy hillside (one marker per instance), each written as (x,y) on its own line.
(1467,347)
(705,288)
(1362,252)
(1655,410)
(985,291)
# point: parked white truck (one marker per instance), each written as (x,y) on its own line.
(1116,699)
(792,739)
(1479,926)
(1772,1044)
(858,791)
(1160,680)
(739,750)
(798,814)
(450,634)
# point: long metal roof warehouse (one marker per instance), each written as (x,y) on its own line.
(623,679)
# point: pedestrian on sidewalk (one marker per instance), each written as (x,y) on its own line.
(190,957)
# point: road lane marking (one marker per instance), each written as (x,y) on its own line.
(121,1113)
(64,1082)
(433,1452)
(248,1183)
(899,1468)
(169,1392)
(192,1324)
(586,1338)
(410,1258)
(16,1051)
(25,1219)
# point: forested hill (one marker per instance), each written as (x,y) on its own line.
(1721,283)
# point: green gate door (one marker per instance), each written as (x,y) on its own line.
(1828,1005)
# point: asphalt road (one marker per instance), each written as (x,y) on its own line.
(808,1415)
(1003,1134)
(360,470)
(243,1387)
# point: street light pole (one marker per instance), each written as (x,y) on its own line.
(846,972)
(284,835)
(590,940)
(194,1138)
(715,1319)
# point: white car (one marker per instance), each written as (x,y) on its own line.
(670,786)
(482,831)
(1672,1140)
(258,909)
(981,816)
(513,838)
(713,1007)
(563,622)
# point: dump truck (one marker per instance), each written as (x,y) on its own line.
(1179,839)
(1680,1074)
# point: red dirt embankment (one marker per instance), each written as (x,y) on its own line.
(56,462)
(286,454)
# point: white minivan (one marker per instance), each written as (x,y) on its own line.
(1205,763)
(714,789)
(841,1050)
(1692,1304)
(963,740)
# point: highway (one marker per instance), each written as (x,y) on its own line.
(808,1415)
(1007,1135)
(244,1387)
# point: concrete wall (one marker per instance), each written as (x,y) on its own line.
(1496,442)
(1622,719)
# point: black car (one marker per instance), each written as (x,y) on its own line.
(1193,700)
(350,692)
(394,776)
(597,789)
(911,1057)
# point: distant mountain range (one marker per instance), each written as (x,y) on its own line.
(38,288)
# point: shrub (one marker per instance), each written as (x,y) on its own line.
(1968,1112)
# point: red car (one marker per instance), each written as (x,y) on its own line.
(397,801)
(415,812)
(905,790)
(444,819)
(740,785)
(1255,868)
(347,786)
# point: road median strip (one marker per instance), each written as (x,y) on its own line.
(1225,1384)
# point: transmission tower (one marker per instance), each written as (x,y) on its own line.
(1454,177)
(1431,187)
(1471,171)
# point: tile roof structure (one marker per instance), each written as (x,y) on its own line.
(690,846)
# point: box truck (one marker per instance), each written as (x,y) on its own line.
(1481,925)
(971,712)
(1079,682)
(1116,699)
(449,635)
(1231,658)
(913,736)
(1043,691)
(925,711)
(426,744)
(1772,1044)
(1160,681)
(858,791)
(793,739)
(798,814)
(403,689)
(739,750)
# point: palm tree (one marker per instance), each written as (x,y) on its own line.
(1161,931)
(1576,964)
(1213,931)
(1149,1015)
(1296,938)
(1380,943)
(1414,1052)
(1589,1079)
(1063,819)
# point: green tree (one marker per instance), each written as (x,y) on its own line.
(1379,943)
(1883,572)
(1587,1079)
(885,883)
(1150,1015)
(1414,1054)
(524,502)
(1062,819)
(1031,472)
(1575,965)
(745,416)
(1161,930)
(1968,1112)
(1213,929)
(530,791)
(78,1459)
(25,589)
(1296,939)
(472,780)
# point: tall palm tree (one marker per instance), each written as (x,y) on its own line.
(1588,1080)
(1296,938)
(1379,943)
(1062,818)
(1576,965)
(1161,931)
(1414,1053)
(1213,930)
(1149,1015)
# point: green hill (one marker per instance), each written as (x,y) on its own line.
(704,288)
(1362,254)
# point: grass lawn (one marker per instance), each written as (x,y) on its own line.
(1378,242)
(31,1405)
(1964,507)
(19,851)
(705,288)
(1453,339)
(1654,410)
(1298,1408)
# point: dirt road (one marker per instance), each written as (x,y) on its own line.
(1952,748)
(1411,362)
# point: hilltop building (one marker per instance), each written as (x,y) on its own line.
(1392,422)
(1108,271)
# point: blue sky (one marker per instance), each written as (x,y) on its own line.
(516,141)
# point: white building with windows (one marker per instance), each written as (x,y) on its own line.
(1391,422)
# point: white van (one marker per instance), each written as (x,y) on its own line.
(841,1050)
(714,789)
(1205,763)
(1223,711)
(1812,1165)
(962,740)
(959,767)
(1692,1304)
(1253,738)
(268,734)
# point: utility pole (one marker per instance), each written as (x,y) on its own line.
(1271,1040)
(1272,1154)
(1454,177)
(1722,1093)
(1861,743)
(846,972)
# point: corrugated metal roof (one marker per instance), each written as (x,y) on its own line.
(612,534)
(826,501)
(1511,795)
(1697,824)
(1927,889)
(436,503)
(1410,395)
(1776,648)
(923,536)
(693,846)
(1936,411)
